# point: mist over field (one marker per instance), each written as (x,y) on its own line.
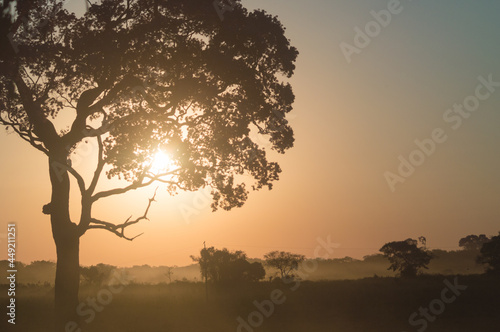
(446,262)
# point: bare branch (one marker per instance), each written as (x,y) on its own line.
(78,177)
(100,166)
(119,229)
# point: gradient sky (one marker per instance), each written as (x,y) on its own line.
(352,122)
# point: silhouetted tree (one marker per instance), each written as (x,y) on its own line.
(405,257)
(346,259)
(39,266)
(473,242)
(223,266)
(133,77)
(490,255)
(285,262)
(423,241)
(97,274)
(255,271)
(39,271)
(169,272)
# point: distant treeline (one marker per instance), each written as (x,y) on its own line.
(444,262)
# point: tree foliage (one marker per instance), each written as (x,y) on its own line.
(97,274)
(473,242)
(406,257)
(285,262)
(150,75)
(223,266)
(490,255)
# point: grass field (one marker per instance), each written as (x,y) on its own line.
(373,304)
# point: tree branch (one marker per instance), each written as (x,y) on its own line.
(43,128)
(88,105)
(99,168)
(26,135)
(135,185)
(119,230)
(78,177)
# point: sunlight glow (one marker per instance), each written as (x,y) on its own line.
(161,163)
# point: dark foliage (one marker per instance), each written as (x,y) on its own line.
(285,262)
(223,266)
(405,257)
(490,255)
(473,242)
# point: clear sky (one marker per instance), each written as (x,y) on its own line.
(352,123)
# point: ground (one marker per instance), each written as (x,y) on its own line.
(366,305)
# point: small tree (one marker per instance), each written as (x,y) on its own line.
(285,262)
(405,257)
(169,272)
(490,255)
(97,274)
(473,242)
(223,266)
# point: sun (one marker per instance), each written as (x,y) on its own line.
(161,163)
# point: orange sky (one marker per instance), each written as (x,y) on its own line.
(352,122)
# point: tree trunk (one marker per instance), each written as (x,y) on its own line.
(67,280)
(67,242)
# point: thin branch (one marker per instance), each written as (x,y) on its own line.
(28,76)
(112,230)
(127,81)
(78,177)
(134,186)
(31,140)
(70,103)
(25,135)
(119,229)
(48,85)
(161,109)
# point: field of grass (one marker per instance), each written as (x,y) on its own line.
(373,304)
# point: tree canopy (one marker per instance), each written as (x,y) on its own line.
(473,242)
(285,262)
(97,274)
(149,75)
(490,255)
(405,257)
(223,266)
